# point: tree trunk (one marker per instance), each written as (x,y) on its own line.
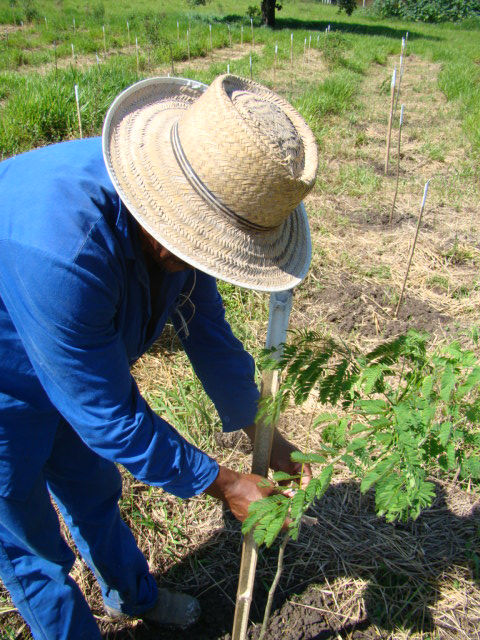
(268,12)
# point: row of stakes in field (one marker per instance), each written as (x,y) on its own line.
(394,95)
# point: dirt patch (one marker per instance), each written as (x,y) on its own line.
(363,308)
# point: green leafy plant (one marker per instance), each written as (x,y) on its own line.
(399,413)
(428,10)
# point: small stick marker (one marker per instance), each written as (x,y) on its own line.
(136,50)
(253,37)
(178,31)
(390,118)
(229,35)
(291,50)
(188,43)
(275,65)
(398,164)
(228,68)
(128,32)
(211,43)
(78,111)
(425,191)
(98,59)
(73,53)
(241,35)
(46,23)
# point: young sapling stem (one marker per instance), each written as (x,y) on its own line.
(390,118)
(273,586)
(78,111)
(425,191)
(398,164)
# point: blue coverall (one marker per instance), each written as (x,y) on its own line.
(75,313)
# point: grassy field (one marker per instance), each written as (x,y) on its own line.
(352,576)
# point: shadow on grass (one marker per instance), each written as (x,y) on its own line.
(401,565)
(373,29)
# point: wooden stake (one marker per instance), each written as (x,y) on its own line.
(230,35)
(128,33)
(188,44)
(211,42)
(275,65)
(98,59)
(241,35)
(425,191)
(178,32)
(73,53)
(228,68)
(291,50)
(398,164)
(251,68)
(104,41)
(390,117)
(78,111)
(400,75)
(253,37)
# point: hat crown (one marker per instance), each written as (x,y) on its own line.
(250,149)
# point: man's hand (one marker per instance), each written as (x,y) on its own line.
(238,490)
(280,459)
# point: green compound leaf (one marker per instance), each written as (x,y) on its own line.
(307,458)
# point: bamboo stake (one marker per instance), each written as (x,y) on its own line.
(253,37)
(390,117)
(425,191)
(241,35)
(73,53)
(275,66)
(280,306)
(211,42)
(398,164)
(188,44)
(46,23)
(229,35)
(178,31)
(104,41)
(78,111)
(400,75)
(228,68)
(251,68)
(98,59)
(74,26)
(291,50)
(128,32)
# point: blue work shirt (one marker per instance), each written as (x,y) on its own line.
(76,312)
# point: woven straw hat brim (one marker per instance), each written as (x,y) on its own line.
(140,160)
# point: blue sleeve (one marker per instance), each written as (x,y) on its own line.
(65,316)
(226,370)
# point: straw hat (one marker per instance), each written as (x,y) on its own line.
(217,175)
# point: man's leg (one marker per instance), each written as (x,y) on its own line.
(87,489)
(34,565)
